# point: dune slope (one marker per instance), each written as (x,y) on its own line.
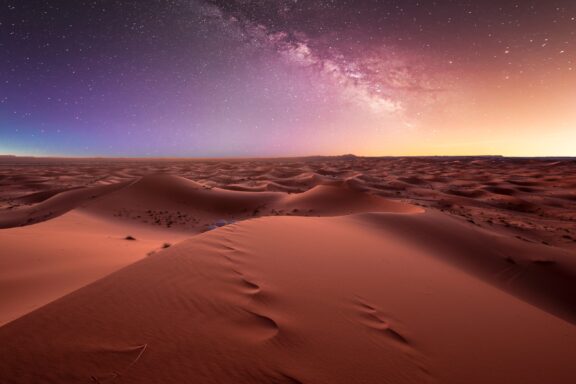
(292,300)
(42,262)
(69,239)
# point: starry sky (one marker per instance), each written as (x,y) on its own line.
(211,78)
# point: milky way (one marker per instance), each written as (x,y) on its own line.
(286,77)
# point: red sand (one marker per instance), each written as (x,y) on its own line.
(469,279)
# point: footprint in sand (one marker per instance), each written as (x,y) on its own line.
(265,322)
(267,327)
(248,286)
(255,326)
(251,287)
(374,319)
(134,353)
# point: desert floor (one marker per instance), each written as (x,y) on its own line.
(301,270)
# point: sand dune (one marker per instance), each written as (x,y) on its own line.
(327,270)
(54,205)
(81,234)
(543,208)
(42,262)
(286,300)
(173,201)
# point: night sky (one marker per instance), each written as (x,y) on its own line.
(287,77)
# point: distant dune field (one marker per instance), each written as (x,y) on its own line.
(311,270)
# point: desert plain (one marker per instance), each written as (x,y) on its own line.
(297,270)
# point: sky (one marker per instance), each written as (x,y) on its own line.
(196,78)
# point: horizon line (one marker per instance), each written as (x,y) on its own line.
(66,157)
